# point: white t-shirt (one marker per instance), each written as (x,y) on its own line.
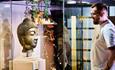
(99,51)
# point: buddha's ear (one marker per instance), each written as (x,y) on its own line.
(22,42)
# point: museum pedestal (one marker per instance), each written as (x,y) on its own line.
(27,64)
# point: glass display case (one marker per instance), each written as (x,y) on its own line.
(5,35)
(26,16)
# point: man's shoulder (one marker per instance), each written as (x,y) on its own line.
(109,26)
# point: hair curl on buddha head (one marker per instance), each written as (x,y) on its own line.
(23,29)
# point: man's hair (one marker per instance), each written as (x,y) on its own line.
(23,28)
(100,6)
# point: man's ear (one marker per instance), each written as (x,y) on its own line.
(102,13)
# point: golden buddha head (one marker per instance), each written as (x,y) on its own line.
(27,34)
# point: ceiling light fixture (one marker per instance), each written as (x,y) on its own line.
(71,2)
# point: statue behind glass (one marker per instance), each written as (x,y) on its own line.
(27,35)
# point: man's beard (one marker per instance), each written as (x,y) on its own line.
(95,22)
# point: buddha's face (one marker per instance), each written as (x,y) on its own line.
(31,38)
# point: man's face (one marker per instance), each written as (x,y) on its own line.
(31,38)
(95,15)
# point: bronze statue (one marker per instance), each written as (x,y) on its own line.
(27,34)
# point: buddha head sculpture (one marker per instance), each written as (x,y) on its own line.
(27,34)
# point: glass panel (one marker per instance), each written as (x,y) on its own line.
(87,33)
(86,11)
(88,23)
(79,55)
(87,66)
(48,36)
(112,11)
(86,55)
(5,35)
(17,18)
(87,44)
(69,30)
(79,44)
(72,12)
(69,23)
(79,34)
(78,23)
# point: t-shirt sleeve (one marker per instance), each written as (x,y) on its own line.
(109,36)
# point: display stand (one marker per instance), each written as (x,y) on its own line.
(27,63)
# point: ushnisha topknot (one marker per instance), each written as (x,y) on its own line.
(25,26)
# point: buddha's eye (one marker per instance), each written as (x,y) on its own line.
(32,33)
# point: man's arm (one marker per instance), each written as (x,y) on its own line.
(109,36)
(111,58)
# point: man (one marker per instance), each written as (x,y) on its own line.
(103,51)
(27,33)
